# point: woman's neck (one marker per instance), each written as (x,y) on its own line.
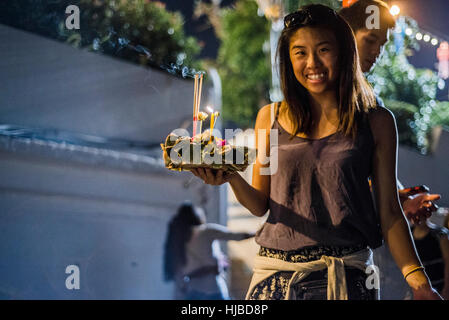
(324,107)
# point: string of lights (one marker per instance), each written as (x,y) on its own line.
(420,34)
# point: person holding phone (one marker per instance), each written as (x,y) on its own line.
(418,204)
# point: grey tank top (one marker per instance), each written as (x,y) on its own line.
(320,194)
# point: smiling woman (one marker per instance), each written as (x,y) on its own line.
(314,57)
(328,139)
(320,57)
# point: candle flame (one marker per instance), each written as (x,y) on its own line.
(210,109)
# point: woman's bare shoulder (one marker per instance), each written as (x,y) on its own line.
(379,114)
(267,113)
(382,122)
(379,117)
(263,120)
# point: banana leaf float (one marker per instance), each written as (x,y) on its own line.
(183,153)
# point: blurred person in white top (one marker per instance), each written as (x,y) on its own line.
(193,258)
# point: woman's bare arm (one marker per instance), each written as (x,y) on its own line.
(395,228)
(256,200)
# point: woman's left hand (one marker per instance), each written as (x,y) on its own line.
(445,293)
(421,286)
(426,294)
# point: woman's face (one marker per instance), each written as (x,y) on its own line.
(314,57)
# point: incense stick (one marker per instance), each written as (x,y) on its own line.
(195,89)
(199,94)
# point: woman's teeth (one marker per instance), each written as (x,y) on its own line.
(318,76)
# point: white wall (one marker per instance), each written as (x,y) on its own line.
(101,209)
(110,223)
(49,84)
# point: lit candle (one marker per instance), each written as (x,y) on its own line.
(201,117)
(212,116)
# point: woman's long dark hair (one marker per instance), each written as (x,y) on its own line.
(179,233)
(354,94)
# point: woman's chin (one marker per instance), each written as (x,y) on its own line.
(317,89)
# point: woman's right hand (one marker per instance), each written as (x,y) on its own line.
(213,177)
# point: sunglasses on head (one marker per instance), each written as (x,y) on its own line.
(307,16)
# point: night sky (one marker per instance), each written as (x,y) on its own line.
(197,27)
(432,16)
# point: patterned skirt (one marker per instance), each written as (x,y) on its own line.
(314,286)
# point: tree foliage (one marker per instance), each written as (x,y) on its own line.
(140,31)
(126,27)
(292,5)
(395,79)
(440,114)
(244,63)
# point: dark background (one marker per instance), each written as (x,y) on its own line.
(431,15)
(199,28)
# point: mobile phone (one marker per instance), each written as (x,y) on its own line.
(416,189)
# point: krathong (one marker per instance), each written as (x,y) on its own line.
(203,149)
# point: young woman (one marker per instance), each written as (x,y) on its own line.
(193,259)
(323,223)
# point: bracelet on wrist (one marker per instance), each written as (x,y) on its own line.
(413,270)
